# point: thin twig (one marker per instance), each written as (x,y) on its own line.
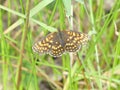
(23,44)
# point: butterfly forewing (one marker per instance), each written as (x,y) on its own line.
(44,45)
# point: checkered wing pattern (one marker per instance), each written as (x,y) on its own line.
(54,45)
(75,40)
(49,45)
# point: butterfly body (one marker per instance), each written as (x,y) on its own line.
(57,43)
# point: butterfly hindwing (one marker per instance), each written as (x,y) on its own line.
(56,49)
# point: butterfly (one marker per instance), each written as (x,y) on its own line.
(57,43)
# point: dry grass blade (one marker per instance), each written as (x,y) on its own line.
(23,44)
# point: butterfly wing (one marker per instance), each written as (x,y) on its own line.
(44,45)
(53,44)
(49,45)
(75,40)
(56,48)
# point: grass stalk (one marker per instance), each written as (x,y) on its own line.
(24,36)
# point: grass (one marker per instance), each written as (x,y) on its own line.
(96,66)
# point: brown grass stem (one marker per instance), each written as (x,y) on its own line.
(24,35)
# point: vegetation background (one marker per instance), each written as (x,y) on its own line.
(95,67)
